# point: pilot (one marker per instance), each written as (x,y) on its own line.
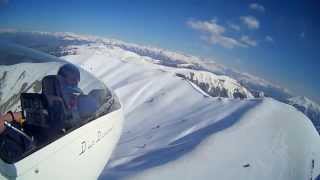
(80,105)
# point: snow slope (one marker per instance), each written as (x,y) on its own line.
(255,141)
(173,131)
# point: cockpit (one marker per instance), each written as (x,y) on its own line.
(53,96)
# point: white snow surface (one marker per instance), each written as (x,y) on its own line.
(173,130)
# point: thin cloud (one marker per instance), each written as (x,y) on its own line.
(207,26)
(234,26)
(269,39)
(247,40)
(213,33)
(302,35)
(225,41)
(250,21)
(257,7)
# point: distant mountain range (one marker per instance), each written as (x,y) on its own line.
(308,107)
(213,78)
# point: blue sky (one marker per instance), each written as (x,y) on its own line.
(275,40)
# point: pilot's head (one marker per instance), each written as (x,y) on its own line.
(70,74)
(70,79)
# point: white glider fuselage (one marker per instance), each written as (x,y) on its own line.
(81,154)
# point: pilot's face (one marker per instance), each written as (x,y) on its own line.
(72,80)
(71,96)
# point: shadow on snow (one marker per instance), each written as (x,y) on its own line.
(177,148)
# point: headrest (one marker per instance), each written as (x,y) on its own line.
(51,85)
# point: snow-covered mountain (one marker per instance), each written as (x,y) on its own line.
(172,127)
(308,107)
(214,85)
(59,44)
(174,130)
(62,44)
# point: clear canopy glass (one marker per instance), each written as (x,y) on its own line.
(30,83)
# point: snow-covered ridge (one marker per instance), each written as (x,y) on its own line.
(214,85)
(304,101)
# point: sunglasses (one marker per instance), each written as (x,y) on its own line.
(70,89)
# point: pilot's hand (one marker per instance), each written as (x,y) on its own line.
(13,116)
(4,118)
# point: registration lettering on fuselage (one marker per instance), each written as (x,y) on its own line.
(86,145)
